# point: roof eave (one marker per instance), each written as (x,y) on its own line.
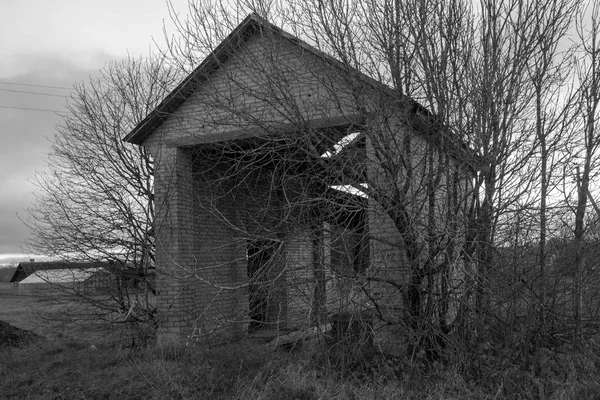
(185,89)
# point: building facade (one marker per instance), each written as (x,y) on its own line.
(290,187)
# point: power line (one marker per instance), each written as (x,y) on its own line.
(38,93)
(30,109)
(32,85)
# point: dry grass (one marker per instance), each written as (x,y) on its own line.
(57,317)
(39,315)
(66,366)
(7,289)
(23,312)
(71,370)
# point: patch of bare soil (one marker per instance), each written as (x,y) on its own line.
(11,336)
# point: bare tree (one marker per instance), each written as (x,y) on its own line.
(588,74)
(484,71)
(95,203)
(341,176)
(553,116)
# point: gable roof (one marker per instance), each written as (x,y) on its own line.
(424,122)
(25,269)
(186,88)
(251,25)
(62,275)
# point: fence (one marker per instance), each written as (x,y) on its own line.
(47,288)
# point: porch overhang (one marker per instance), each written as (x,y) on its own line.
(357,121)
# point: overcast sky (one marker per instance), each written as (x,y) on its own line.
(55,43)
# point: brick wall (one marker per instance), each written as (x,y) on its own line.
(427,213)
(203,229)
(201,265)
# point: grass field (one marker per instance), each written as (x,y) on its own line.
(65,365)
(7,289)
(39,315)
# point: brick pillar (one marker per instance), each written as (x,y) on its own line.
(319,311)
(173,199)
(299,260)
(387,262)
(200,265)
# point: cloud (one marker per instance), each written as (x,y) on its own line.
(25,134)
(63,68)
(8,258)
(68,26)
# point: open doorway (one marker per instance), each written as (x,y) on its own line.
(262,262)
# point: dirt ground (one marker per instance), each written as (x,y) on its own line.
(13,336)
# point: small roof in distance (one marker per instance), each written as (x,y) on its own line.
(61,275)
(24,269)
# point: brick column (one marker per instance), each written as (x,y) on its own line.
(173,199)
(200,265)
(387,263)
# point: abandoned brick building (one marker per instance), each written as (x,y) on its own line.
(290,187)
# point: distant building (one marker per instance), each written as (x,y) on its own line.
(25,269)
(52,277)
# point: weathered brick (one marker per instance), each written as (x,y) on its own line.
(203,228)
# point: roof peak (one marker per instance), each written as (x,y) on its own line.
(220,53)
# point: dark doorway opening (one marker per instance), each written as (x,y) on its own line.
(261,259)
